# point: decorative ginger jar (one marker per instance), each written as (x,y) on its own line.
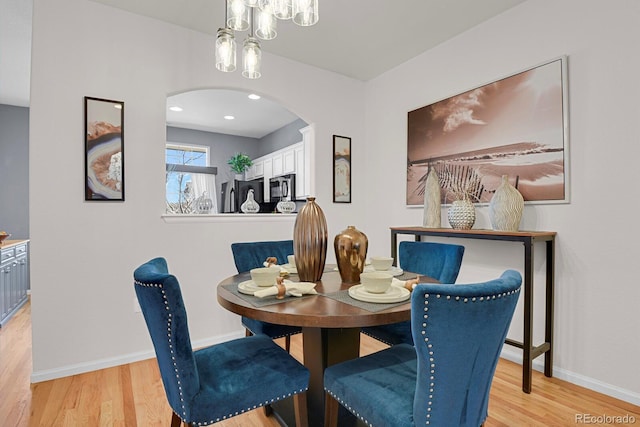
(351,252)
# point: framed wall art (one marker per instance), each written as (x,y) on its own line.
(341,169)
(515,126)
(104,149)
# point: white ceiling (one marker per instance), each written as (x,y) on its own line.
(357,38)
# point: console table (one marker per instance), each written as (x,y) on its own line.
(528,238)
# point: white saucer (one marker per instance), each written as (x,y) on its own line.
(393,294)
(290,268)
(249,287)
(393,270)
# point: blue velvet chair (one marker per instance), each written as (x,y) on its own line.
(438,260)
(248,255)
(445,379)
(216,382)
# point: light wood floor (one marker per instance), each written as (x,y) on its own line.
(132,395)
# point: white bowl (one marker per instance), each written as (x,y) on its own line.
(265,276)
(376,282)
(381,263)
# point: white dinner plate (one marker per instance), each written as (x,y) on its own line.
(393,294)
(393,270)
(249,287)
(290,268)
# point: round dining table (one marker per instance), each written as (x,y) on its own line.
(330,327)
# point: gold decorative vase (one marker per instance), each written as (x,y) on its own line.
(310,241)
(351,251)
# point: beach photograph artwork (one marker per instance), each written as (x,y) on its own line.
(515,126)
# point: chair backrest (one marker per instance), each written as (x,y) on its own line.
(438,260)
(161,302)
(459,331)
(248,255)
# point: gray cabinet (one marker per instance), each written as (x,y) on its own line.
(14,279)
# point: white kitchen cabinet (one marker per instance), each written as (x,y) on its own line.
(289,161)
(298,154)
(278,164)
(294,159)
(256,170)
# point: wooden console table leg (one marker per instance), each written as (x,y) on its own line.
(527,346)
(549,307)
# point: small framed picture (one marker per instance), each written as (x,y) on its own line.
(341,169)
(103,149)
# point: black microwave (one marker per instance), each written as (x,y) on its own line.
(282,188)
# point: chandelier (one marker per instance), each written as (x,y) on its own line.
(261,16)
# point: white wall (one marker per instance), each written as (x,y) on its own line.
(597,294)
(84,253)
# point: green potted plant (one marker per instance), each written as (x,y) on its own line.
(239,163)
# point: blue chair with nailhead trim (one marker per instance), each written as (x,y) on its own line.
(217,382)
(444,380)
(440,261)
(248,255)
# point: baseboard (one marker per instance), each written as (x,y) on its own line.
(577,379)
(81,368)
(513,356)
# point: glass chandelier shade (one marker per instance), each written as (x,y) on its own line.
(266,24)
(251,58)
(237,15)
(282,9)
(225,50)
(305,12)
(261,15)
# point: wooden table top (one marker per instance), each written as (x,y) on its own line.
(312,311)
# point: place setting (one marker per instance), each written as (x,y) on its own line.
(268,286)
(381,287)
(377,291)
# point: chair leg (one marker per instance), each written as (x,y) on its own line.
(268,410)
(331,407)
(287,343)
(300,409)
(247,333)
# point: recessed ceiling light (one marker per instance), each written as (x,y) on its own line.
(175,108)
(229,117)
(254,96)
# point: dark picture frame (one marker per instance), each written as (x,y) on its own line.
(341,169)
(515,126)
(103,149)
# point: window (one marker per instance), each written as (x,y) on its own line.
(190,181)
